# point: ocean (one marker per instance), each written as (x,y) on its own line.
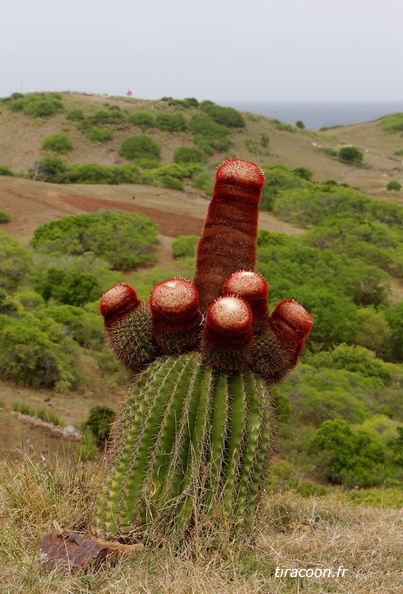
(318,114)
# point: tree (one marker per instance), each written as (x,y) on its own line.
(300,124)
(347,454)
(125,240)
(139,147)
(350,156)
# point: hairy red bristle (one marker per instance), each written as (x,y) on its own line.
(240,172)
(228,323)
(252,287)
(289,317)
(174,302)
(118,301)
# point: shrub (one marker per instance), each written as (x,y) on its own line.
(188,154)
(85,327)
(125,240)
(71,288)
(142,119)
(184,246)
(49,169)
(392,123)
(101,135)
(139,147)
(35,352)
(300,124)
(282,126)
(91,173)
(206,131)
(99,422)
(41,108)
(57,143)
(347,454)
(5,217)
(303,172)
(171,122)
(394,186)
(226,116)
(350,155)
(100,118)
(75,115)
(15,262)
(171,183)
(6,171)
(264,139)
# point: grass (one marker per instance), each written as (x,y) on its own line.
(39,413)
(292,532)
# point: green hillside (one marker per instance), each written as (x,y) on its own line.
(339,413)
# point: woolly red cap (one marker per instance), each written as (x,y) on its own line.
(118,301)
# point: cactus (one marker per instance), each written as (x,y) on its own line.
(194,436)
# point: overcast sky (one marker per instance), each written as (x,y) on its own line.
(240,50)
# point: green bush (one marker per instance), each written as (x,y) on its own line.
(347,454)
(142,119)
(15,262)
(139,147)
(184,246)
(204,180)
(226,116)
(101,135)
(171,183)
(99,422)
(35,352)
(75,115)
(280,178)
(101,118)
(264,140)
(37,106)
(350,155)
(299,124)
(6,171)
(394,186)
(392,123)
(188,154)
(70,288)
(5,217)
(282,126)
(125,240)
(85,327)
(170,122)
(49,169)
(57,143)
(303,172)
(207,133)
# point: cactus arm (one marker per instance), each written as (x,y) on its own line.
(228,241)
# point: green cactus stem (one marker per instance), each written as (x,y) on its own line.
(194,436)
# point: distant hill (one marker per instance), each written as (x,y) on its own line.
(263,140)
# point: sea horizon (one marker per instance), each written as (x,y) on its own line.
(319,114)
